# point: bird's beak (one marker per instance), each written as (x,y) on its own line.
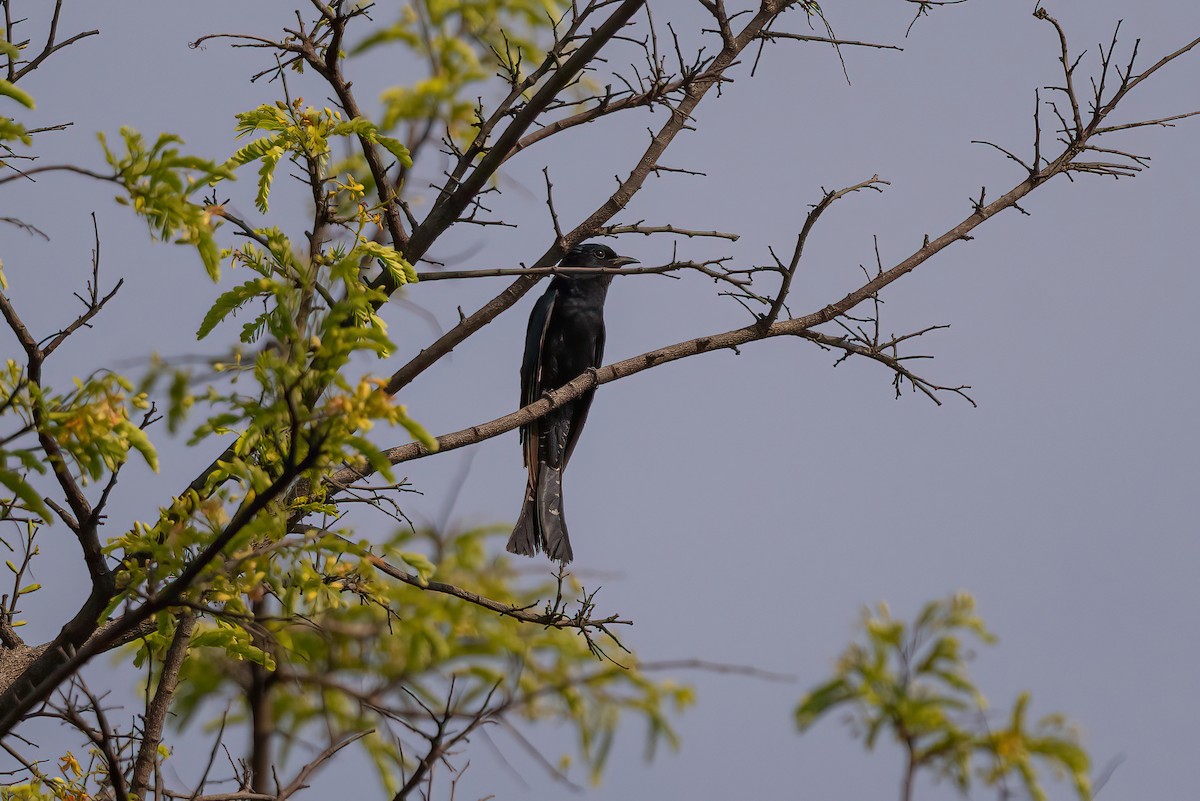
(621,261)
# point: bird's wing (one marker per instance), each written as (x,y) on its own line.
(531,367)
(585,400)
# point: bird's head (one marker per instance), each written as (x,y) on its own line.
(594,254)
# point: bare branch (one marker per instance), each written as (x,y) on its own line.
(874,182)
(26,227)
(647,230)
(1007,153)
(93,305)
(103,738)
(160,704)
(770,36)
(728,339)
(1068,69)
(56,168)
(878,352)
(300,782)
(1164,122)
(49,49)
(552,617)
(703,267)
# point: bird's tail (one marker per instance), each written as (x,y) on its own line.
(542,525)
(525,538)
(550,514)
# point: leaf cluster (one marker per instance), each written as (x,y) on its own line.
(159,181)
(90,423)
(10,129)
(352,651)
(909,680)
(301,132)
(72,782)
(460,42)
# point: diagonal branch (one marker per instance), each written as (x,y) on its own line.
(448,207)
(553,59)
(1163,122)
(729,339)
(681,116)
(300,782)
(56,663)
(604,106)
(852,346)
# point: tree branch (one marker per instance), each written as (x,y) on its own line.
(160,704)
(551,617)
(448,207)
(55,664)
(675,266)
(681,115)
(770,36)
(729,339)
(828,200)
(50,48)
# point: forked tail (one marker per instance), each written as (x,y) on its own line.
(541,525)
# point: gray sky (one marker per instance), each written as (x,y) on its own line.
(743,508)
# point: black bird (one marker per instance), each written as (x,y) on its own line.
(564,340)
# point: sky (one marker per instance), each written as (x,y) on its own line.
(742,508)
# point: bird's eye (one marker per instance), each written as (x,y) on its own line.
(603,253)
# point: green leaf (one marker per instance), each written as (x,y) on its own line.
(158,180)
(416,430)
(213,638)
(252,330)
(179,399)
(256,150)
(8,89)
(1068,754)
(389,259)
(11,130)
(141,443)
(25,493)
(822,699)
(420,563)
(265,118)
(397,149)
(266,174)
(234,299)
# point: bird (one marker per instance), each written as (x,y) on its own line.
(565,339)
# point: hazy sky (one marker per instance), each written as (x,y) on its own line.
(742,508)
